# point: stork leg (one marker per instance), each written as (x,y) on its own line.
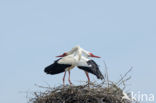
(64,78)
(69,78)
(87,77)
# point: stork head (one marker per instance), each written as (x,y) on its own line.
(92,55)
(63,55)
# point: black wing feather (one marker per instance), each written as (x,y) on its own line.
(94,69)
(56,68)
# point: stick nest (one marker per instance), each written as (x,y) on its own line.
(104,92)
(94,93)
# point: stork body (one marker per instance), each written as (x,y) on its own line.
(74,58)
(89,65)
(63,64)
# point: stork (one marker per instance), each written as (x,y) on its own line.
(76,57)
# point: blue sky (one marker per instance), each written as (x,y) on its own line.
(33,32)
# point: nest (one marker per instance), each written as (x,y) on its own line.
(92,93)
(105,92)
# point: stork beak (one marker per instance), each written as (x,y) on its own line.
(60,56)
(92,55)
(64,54)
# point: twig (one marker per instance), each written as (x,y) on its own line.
(118,83)
(106,74)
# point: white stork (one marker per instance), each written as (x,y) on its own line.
(76,57)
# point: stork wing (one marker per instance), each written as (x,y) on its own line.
(93,68)
(56,68)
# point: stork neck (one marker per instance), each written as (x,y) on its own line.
(84,52)
(76,48)
(78,51)
(78,55)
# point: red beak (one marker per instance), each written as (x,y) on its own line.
(64,54)
(91,55)
(60,56)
